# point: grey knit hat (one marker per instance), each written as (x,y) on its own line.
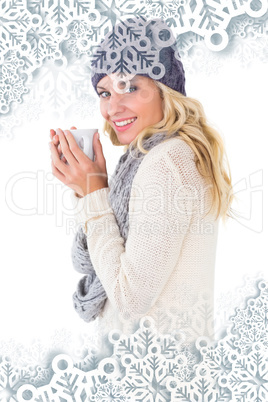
(136,46)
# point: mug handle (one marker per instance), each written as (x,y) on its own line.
(87,146)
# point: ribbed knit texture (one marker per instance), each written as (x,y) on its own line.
(168,258)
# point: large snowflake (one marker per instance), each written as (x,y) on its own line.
(15,20)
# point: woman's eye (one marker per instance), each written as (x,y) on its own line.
(104,94)
(130,89)
(101,94)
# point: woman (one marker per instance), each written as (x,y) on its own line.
(147,240)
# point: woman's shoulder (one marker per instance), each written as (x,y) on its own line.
(172,150)
(174,155)
(170,147)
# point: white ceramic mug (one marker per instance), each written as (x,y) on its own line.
(84,139)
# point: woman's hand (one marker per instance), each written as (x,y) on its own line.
(56,141)
(81,174)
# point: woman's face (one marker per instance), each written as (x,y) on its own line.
(132,98)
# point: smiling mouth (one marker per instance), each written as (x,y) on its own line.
(124,122)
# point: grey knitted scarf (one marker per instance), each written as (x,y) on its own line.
(90,296)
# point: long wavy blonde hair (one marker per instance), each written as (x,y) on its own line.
(186,116)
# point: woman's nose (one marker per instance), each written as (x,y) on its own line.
(115,104)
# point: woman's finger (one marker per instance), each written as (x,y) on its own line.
(61,154)
(57,173)
(99,155)
(52,133)
(69,147)
(58,163)
(65,148)
(73,128)
(55,139)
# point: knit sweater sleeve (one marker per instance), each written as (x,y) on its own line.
(160,211)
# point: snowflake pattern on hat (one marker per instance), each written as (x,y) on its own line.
(137,46)
(133,47)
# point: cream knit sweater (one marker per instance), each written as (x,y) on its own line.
(168,260)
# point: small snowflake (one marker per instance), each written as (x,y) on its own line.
(12,86)
(85,107)
(82,37)
(109,392)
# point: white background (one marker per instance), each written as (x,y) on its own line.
(37,278)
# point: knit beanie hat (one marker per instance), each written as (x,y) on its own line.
(136,46)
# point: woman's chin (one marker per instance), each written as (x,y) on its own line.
(125,139)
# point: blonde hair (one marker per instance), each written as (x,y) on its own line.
(186,116)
